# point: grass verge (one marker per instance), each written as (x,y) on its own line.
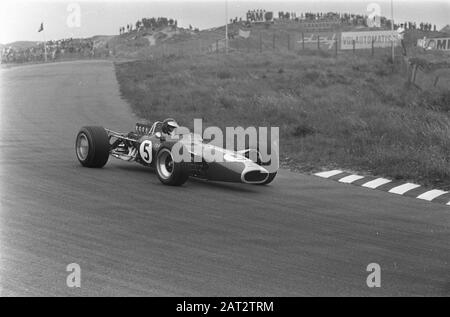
(352,112)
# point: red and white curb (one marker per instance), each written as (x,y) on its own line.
(390,186)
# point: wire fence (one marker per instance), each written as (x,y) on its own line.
(260,41)
(325,43)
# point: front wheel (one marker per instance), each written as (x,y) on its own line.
(92,147)
(170,172)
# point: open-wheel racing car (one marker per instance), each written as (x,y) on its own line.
(153,146)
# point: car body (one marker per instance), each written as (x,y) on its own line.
(150,147)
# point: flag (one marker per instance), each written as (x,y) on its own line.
(41,28)
(244,34)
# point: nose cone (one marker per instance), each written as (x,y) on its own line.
(254,174)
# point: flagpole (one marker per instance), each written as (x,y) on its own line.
(226,26)
(392,29)
(45,43)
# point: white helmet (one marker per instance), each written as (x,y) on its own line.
(169,125)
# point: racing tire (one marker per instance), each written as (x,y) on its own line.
(170,172)
(92,147)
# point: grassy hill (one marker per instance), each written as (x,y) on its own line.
(147,44)
(19,44)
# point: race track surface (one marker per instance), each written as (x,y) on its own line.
(131,235)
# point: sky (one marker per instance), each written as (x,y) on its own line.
(20,19)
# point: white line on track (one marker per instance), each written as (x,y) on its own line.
(376,183)
(400,190)
(431,194)
(328,173)
(350,178)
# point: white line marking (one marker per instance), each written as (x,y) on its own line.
(432,194)
(350,178)
(328,173)
(400,190)
(376,183)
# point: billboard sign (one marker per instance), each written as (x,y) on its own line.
(440,44)
(325,40)
(363,40)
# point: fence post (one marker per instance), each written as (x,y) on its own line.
(303,41)
(260,41)
(217,46)
(273,41)
(335,47)
(353,47)
(289,42)
(372,47)
(318,42)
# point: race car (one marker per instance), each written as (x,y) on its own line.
(153,145)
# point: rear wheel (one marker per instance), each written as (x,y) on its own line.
(92,147)
(170,172)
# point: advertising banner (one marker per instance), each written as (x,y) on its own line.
(441,44)
(363,40)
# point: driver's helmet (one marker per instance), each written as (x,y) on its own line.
(169,125)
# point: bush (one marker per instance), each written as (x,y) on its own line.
(224,75)
(226,102)
(441,102)
(303,130)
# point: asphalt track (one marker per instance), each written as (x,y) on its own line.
(131,235)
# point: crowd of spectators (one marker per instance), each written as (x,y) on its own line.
(341,18)
(51,51)
(149,24)
(350,19)
(261,15)
(235,20)
(413,26)
(287,15)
